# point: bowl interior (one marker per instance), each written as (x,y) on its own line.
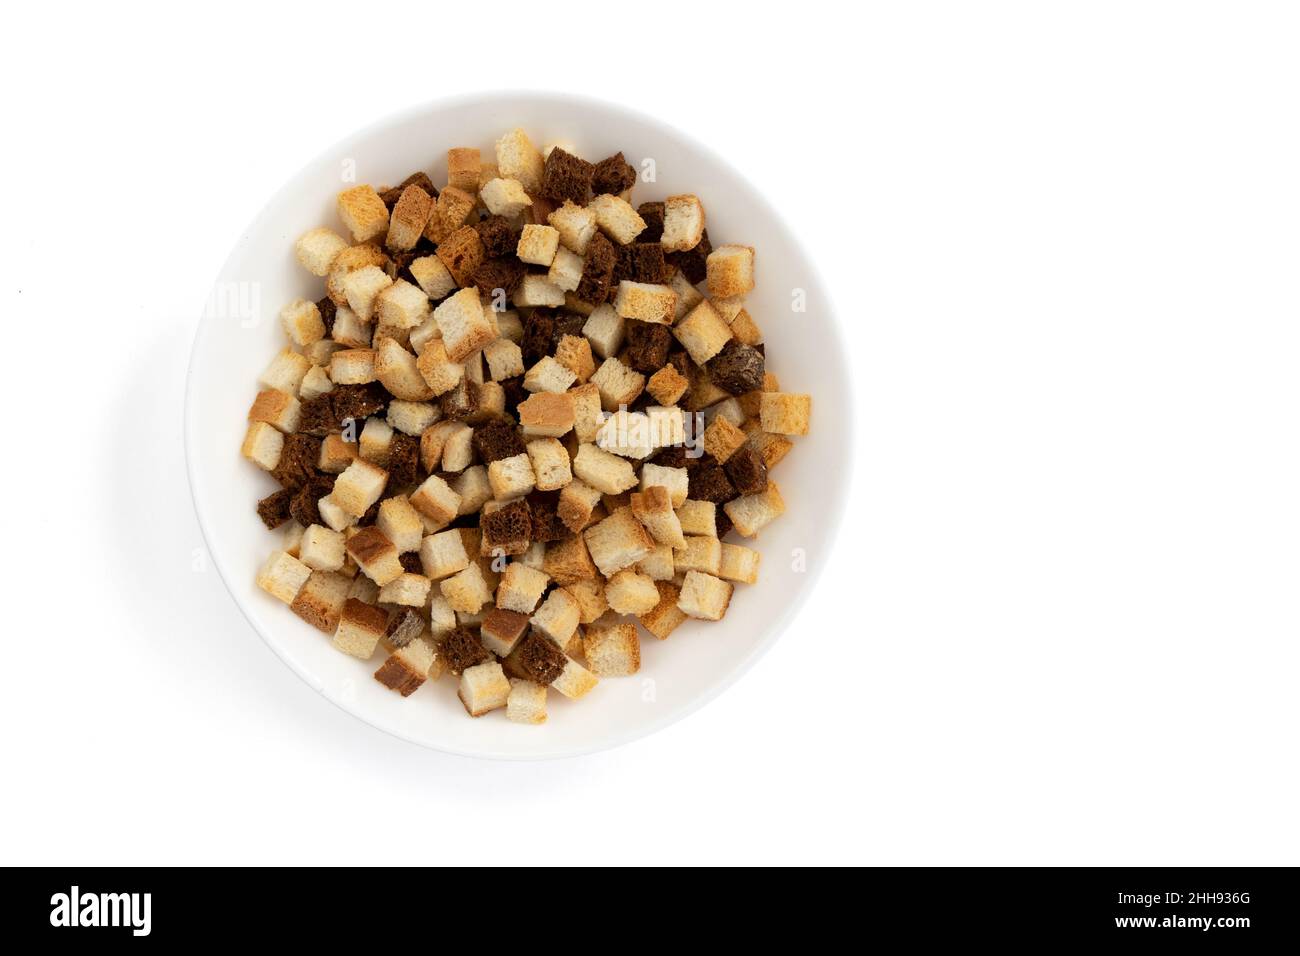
(240,332)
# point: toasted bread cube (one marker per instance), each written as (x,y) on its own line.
(505,197)
(411,418)
(375,555)
(664,618)
(315,383)
(732,411)
(483,687)
(465,326)
(703,596)
(784,413)
(526,703)
(606,472)
(321,549)
(362,289)
(285,373)
(667,385)
(617,384)
(617,542)
(443,554)
(511,477)
(575,224)
(408,590)
(546,414)
(425,333)
(688,297)
(699,553)
(317,248)
(399,372)
(548,375)
(334,517)
(320,601)
(630,592)
(616,218)
(318,353)
(463,165)
(302,322)
(730,270)
(745,330)
(614,651)
(352,367)
(293,533)
(577,501)
(363,212)
(376,436)
(364,589)
(347,262)
(462,253)
(574,681)
(535,290)
(283,576)
(750,514)
(350,333)
(568,561)
(658,564)
(667,426)
(537,245)
(401,523)
(474,489)
(645,301)
(653,507)
(683,223)
(626,434)
(449,214)
(360,628)
(501,630)
(504,358)
(550,463)
(518,158)
(436,500)
(557,618)
(408,219)
(359,487)
(466,591)
(728,306)
(604,329)
(336,454)
(722,439)
(566,268)
(402,305)
(263,445)
(520,588)
(432,277)
(408,667)
(675,480)
(703,333)
(439,372)
(698,518)
(590,595)
(739,563)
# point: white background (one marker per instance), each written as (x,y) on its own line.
(1062,624)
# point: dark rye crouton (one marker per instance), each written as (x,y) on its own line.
(710,483)
(692,262)
(539,333)
(497,439)
(298,460)
(539,659)
(316,416)
(274,508)
(547,526)
(403,460)
(647,346)
(410,562)
(515,393)
(641,262)
(566,325)
(406,625)
(747,471)
(327,310)
(356,402)
(613,175)
(499,238)
(598,271)
(462,649)
(737,368)
(653,215)
(503,273)
(721,522)
(566,177)
(305,508)
(461,402)
(508,529)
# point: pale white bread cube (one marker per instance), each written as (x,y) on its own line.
(518,158)
(731,410)
(548,375)
(728,306)
(653,507)
(688,297)
(362,288)
(474,489)
(626,434)
(504,359)
(352,367)
(399,372)
(566,269)
(658,564)
(520,588)
(586,411)
(604,329)
(293,533)
(739,563)
(574,353)
(350,332)
(263,444)
(361,627)
(704,596)
(590,595)
(426,332)
(606,472)
(667,425)
(333,515)
(785,413)
(730,270)
(375,555)
(526,703)
(363,212)
(433,277)
(509,325)
(321,549)
(703,332)
(537,244)
(375,438)
(537,291)
(557,618)
(347,262)
(575,681)
(676,480)
(443,554)
(403,305)
(315,383)
(683,223)
(616,218)
(577,502)
(276,408)
(282,576)
(646,302)
(698,517)
(407,590)
(436,500)
(359,487)
(630,592)
(483,688)
(617,384)
(617,542)
(285,373)
(401,523)
(575,224)
(666,615)
(699,553)
(614,650)
(551,464)
(319,352)
(302,322)
(511,477)
(412,418)
(364,589)
(465,326)
(441,616)
(317,248)
(750,514)
(505,197)
(466,591)
(439,372)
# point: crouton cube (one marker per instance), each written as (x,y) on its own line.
(506,527)
(546,414)
(616,218)
(363,212)
(568,561)
(575,224)
(557,618)
(698,517)
(321,549)
(360,628)
(282,576)
(750,514)
(315,383)
(511,477)
(402,305)
(520,588)
(432,277)
(465,326)
(376,436)
(408,590)
(676,480)
(688,297)
(263,445)
(483,687)
(408,667)
(745,330)
(317,248)
(663,619)
(586,411)
(504,358)
(518,158)
(450,212)
(699,553)
(535,290)
(505,197)
(548,375)
(411,418)
(739,563)
(359,487)
(626,434)
(466,591)
(320,601)
(630,592)
(474,489)
(590,595)
(501,630)
(703,332)
(667,385)
(336,454)
(537,244)
(362,289)
(574,681)
(436,500)
(285,373)
(722,439)
(350,333)
(577,501)
(605,472)
(658,564)
(463,166)
(566,269)
(683,223)
(550,463)
(730,270)
(352,367)
(784,413)
(334,517)
(443,554)
(573,352)
(703,596)
(645,301)
(462,253)
(401,523)
(439,372)
(526,703)
(399,372)
(375,555)
(604,329)
(653,507)
(617,384)
(409,217)
(617,542)
(302,322)
(614,651)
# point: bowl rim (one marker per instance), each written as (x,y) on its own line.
(840,480)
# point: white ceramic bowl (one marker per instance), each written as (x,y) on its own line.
(241,332)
